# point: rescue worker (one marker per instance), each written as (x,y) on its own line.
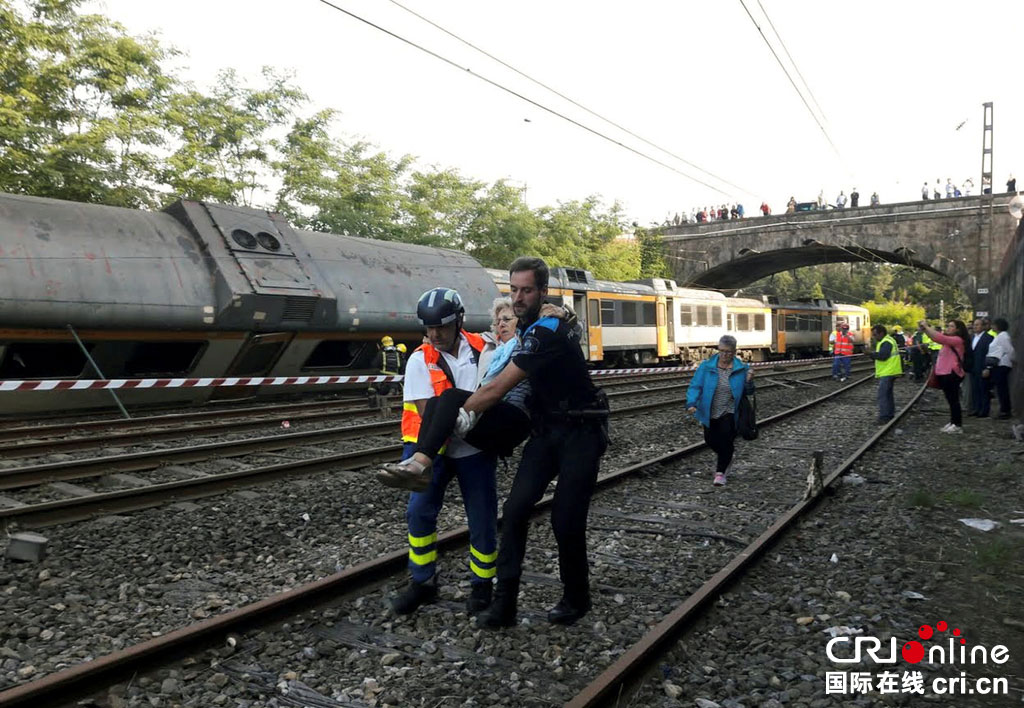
(901,341)
(842,352)
(888,368)
(389,361)
(569,435)
(449,359)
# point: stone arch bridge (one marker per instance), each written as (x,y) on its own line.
(963,239)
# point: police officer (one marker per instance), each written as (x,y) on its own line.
(449,359)
(569,436)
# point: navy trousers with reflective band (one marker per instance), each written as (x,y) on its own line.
(572,453)
(886,399)
(476,475)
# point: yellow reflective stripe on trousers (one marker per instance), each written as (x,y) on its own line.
(422,558)
(421,541)
(484,557)
(482,572)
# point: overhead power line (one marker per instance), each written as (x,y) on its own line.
(792,61)
(567,98)
(790,77)
(520,96)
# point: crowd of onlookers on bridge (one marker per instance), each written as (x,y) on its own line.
(735,211)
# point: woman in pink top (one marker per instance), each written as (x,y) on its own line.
(949,369)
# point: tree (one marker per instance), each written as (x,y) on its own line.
(652,254)
(504,226)
(224,138)
(889,314)
(80,106)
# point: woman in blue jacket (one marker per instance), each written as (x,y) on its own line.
(714,398)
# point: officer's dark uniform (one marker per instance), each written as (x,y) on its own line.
(569,436)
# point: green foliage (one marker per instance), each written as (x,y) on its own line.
(921,499)
(895,313)
(89,113)
(80,106)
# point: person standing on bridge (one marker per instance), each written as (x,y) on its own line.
(874,199)
(854,198)
(1011,184)
(950,189)
(841,200)
(924,191)
(888,368)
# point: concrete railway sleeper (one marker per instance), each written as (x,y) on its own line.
(756,508)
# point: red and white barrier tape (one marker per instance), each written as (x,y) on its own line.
(92,384)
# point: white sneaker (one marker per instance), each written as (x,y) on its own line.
(955,429)
(946,427)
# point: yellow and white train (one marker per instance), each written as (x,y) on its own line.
(655,321)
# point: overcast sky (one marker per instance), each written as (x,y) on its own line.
(893,79)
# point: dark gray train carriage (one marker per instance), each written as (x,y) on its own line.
(202,290)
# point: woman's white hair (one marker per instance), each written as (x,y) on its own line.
(500,303)
(728,340)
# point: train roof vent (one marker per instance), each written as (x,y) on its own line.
(299,309)
(576,275)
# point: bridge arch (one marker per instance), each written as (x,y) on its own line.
(957,238)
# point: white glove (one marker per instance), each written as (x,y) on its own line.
(465,422)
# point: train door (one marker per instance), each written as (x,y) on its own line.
(779,338)
(579,303)
(255,358)
(596,352)
(664,342)
(671,325)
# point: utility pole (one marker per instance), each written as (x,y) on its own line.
(986,148)
(983,263)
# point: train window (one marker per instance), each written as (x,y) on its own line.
(608,318)
(857,320)
(162,358)
(629,313)
(743,322)
(649,317)
(759,322)
(780,320)
(595,314)
(334,354)
(791,322)
(686,315)
(257,359)
(716,316)
(730,324)
(43,360)
(803,324)
(702,315)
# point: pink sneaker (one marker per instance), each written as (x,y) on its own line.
(719,480)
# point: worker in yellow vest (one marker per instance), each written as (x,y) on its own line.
(888,368)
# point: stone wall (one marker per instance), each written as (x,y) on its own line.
(1008,302)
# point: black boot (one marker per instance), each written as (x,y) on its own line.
(570,608)
(503,608)
(479,597)
(416,594)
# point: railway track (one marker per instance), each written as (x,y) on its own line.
(757,519)
(140,494)
(85,435)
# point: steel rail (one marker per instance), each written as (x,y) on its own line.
(90,677)
(54,429)
(31,475)
(613,683)
(85,507)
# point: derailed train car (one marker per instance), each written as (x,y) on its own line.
(201,290)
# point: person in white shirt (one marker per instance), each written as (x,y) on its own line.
(449,359)
(998,364)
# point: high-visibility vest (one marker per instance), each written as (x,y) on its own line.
(843,345)
(931,343)
(992,333)
(411,420)
(891,366)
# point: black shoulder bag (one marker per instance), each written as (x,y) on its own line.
(746,424)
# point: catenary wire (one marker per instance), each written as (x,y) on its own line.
(570,100)
(790,77)
(521,96)
(791,60)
